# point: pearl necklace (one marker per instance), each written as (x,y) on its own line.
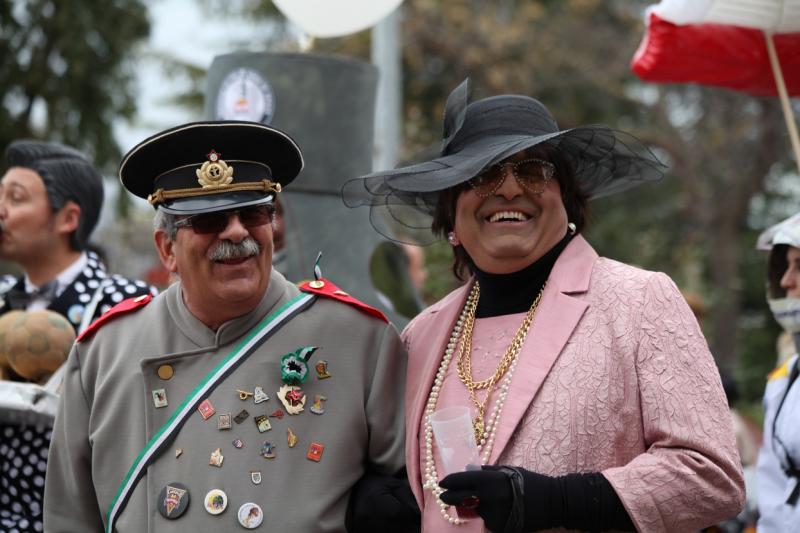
(487,441)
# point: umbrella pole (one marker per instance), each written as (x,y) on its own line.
(788,114)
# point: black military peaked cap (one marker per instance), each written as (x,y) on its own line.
(202,167)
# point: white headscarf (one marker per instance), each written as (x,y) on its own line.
(785,310)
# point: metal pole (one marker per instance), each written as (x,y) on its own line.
(788,114)
(386,56)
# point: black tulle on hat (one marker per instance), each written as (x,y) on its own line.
(485,132)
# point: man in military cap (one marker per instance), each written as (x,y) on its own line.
(234,397)
(50,200)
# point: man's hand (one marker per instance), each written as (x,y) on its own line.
(383,503)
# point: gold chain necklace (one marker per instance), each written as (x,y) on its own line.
(464,358)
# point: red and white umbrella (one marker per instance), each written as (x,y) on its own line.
(748,45)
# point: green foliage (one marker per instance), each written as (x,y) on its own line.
(66,72)
(439,262)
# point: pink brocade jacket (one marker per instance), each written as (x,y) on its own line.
(614,377)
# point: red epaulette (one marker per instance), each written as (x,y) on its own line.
(323,287)
(125,306)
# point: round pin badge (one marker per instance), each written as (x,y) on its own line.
(173,500)
(250,515)
(216,501)
(165,372)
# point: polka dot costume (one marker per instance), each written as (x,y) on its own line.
(94,290)
(23,450)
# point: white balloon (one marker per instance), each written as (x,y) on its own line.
(333,18)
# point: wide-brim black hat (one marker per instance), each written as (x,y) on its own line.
(485,132)
(202,167)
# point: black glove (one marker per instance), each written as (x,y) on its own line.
(514,500)
(382,503)
(500,493)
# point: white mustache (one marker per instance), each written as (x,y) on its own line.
(227,249)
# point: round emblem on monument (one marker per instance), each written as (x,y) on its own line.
(244,94)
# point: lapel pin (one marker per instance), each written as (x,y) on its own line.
(259,395)
(322,370)
(316,407)
(216,458)
(160,398)
(206,409)
(314,452)
(262,423)
(241,417)
(224,421)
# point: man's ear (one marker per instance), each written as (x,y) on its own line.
(165,250)
(68,218)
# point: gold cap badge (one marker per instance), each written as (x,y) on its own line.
(215,172)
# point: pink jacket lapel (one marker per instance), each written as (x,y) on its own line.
(555,320)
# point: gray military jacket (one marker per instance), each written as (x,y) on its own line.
(107,414)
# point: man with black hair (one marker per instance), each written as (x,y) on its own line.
(50,201)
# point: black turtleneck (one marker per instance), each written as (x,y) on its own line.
(506,294)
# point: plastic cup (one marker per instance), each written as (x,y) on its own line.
(455,440)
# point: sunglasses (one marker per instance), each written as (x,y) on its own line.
(216,222)
(533,175)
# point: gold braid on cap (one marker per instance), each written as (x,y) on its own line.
(161,196)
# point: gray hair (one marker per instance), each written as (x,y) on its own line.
(68,176)
(165,222)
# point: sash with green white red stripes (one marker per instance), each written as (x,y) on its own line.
(164,436)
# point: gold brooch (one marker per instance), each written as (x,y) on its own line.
(215,172)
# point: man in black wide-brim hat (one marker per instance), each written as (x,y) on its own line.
(234,396)
(592,398)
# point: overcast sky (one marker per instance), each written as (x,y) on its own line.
(184,30)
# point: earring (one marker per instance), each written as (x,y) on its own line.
(572,228)
(452,238)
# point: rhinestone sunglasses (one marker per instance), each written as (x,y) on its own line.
(216,222)
(533,175)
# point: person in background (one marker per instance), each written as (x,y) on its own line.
(50,200)
(415,255)
(779,457)
(234,388)
(398,274)
(280,254)
(594,400)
